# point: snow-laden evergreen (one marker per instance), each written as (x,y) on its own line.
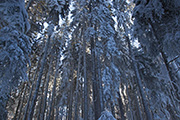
(14,48)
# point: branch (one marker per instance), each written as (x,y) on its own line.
(173,59)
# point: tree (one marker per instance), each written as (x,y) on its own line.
(14,50)
(158,36)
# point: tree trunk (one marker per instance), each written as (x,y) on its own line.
(96,97)
(77,90)
(46,89)
(85,111)
(30,93)
(41,98)
(30,116)
(21,106)
(19,103)
(121,106)
(70,99)
(139,83)
(100,81)
(54,87)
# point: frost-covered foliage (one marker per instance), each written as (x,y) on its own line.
(106,115)
(58,7)
(162,97)
(111,81)
(14,47)
(157,25)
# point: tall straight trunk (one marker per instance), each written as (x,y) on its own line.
(46,89)
(57,110)
(70,100)
(30,93)
(139,83)
(19,103)
(54,86)
(31,112)
(71,92)
(129,105)
(100,81)
(77,89)
(41,98)
(139,113)
(21,106)
(121,106)
(85,110)
(96,97)
(165,58)
(48,104)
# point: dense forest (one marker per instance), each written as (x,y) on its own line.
(89,59)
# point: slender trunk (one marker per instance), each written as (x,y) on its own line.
(19,103)
(46,89)
(85,111)
(41,98)
(70,100)
(96,97)
(30,116)
(164,56)
(21,106)
(30,93)
(48,104)
(139,113)
(121,106)
(139,83)
(71,93)
(57,110)
(129,105)
(100,81)
(82,100)
(77,89)
(54,86)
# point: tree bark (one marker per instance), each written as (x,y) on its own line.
(139,83)
(46,89)
(121,106)
(30,93)
(21,106)
(96,97)
(54,86)
(77,89)
(30,116)
(85,111)
(19,103)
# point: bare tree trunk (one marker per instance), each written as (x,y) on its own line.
(96,97)
(19,103)
(54,86)
(46,89)
(121,106)
(30,116)
(77,89)
(30,93)
(100,81)
(139,83)
(21,106)
(85,110)
(70,99)
(57,110)
(41,98)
